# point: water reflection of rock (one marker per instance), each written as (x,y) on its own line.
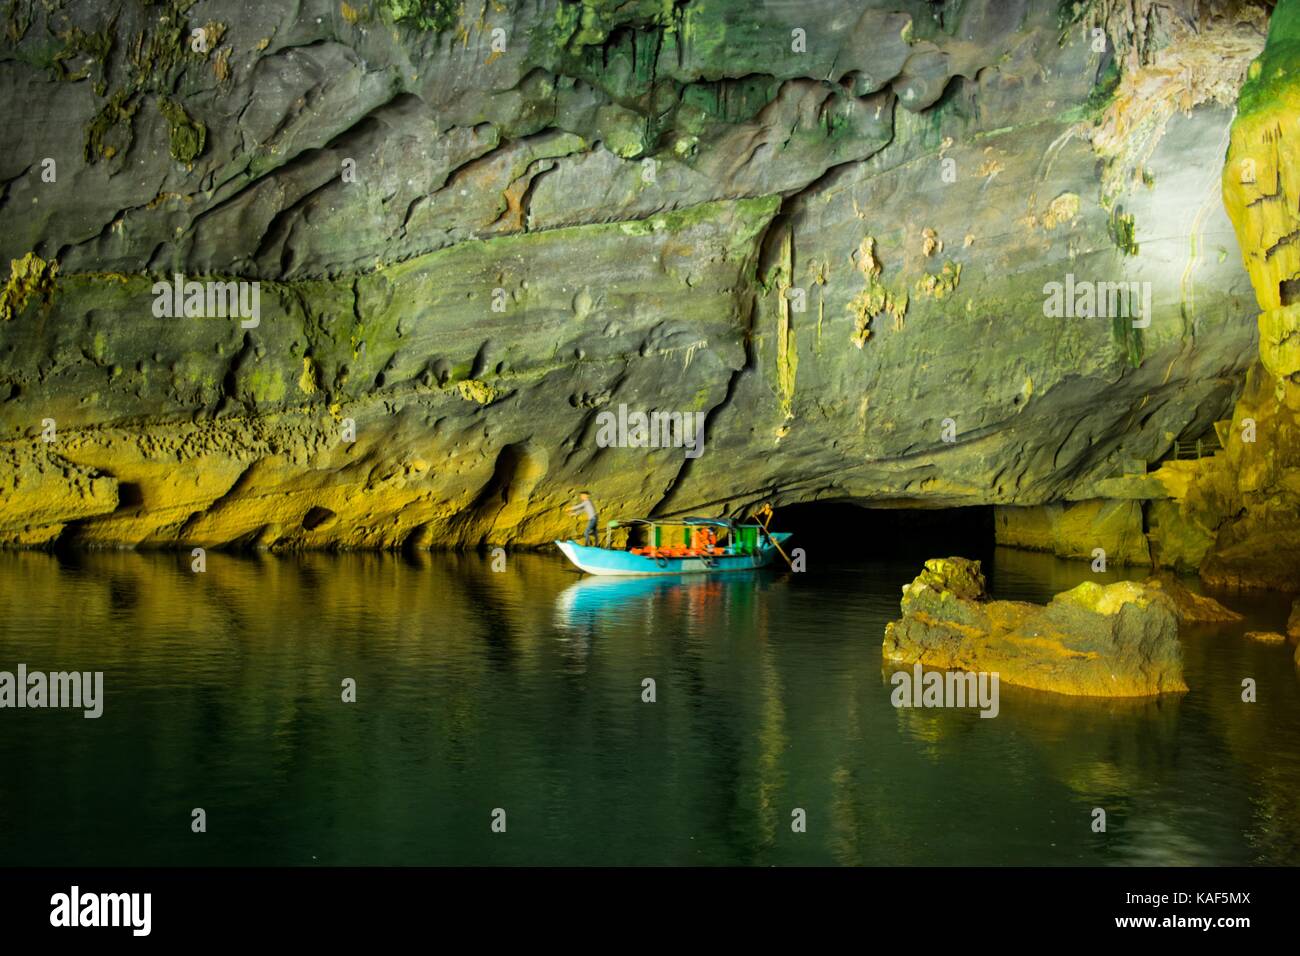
(1034,576)
(769,699)
(1123,755)
(1093,725)
(282,633)
(233,676)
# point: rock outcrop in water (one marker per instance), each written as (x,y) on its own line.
(1117,640)
(1266,637)
(831,228)
(1189,607)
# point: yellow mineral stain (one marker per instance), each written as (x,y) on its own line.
(31,276)
(1062,209)
(307,380)
(472,390)
(787,354)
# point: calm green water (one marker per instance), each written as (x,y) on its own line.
(522,690)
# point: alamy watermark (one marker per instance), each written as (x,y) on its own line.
(917,688)
(1086,299)
(82,690)
(211,299)
(651,430)
(77,909)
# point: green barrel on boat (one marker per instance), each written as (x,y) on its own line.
(747,539)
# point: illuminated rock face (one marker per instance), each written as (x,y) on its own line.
(1117,640)
(1103,532)
(1249,496)
(830,227)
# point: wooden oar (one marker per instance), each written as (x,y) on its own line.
(766,512)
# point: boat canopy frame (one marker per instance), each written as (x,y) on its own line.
(690,521)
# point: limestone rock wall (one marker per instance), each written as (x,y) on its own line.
(1240,510)
(1259,544)
(475,226)
(1077,530)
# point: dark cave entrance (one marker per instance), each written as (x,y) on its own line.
(846,530)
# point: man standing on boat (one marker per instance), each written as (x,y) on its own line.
(585,506)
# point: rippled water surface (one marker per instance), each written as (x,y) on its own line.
(522,690)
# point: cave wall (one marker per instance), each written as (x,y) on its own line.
(828,227)
(1248,498)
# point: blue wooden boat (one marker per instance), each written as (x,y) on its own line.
(679,546)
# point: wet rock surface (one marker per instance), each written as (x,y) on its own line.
(1117,640)
(1188,606)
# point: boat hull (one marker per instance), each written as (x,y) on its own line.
(606,561)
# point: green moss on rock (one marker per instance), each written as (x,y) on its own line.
(1121,228)
(435,15)
(109,132)
(79,44)
(185,136)
(1271,79)
(1128,339)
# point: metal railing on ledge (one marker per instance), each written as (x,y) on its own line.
(1203,447)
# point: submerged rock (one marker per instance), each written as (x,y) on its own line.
(1266,637)
(1117,640)
(1293,623)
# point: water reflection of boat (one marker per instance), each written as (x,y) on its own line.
(678,546)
